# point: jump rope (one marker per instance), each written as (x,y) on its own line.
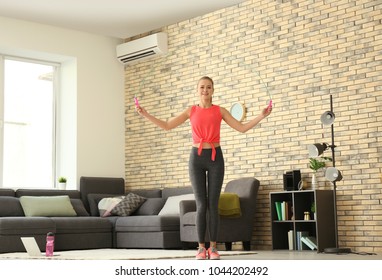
(270,103)
(246,66)
(141,86)
(250,68)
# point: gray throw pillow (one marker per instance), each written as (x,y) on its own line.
(10,207)
(128,205)
(79,207)
(151,206)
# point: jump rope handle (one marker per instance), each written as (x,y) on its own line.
(269,105)
(136,101)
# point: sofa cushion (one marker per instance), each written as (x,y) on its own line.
(128,205)
(26,226)
(7,192)
(47,206)
(167,192)
(148,193)
(10,207)
(74,225)
(151,206)
(153,223)
(47,192)
(79,207)
(171,206)
(105,185)
(107,204)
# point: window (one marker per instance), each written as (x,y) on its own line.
(27,133)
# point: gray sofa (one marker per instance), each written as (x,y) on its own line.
(147,227)
(80,232)
(87,230)
(144,228)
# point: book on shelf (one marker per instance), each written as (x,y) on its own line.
(283,210)
(278,210)
(291,240)
(299,244)
(310,241)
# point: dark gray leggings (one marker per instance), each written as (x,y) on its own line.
(207,179)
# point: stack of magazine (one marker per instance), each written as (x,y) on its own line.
(309,241)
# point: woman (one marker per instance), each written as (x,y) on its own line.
(206,165)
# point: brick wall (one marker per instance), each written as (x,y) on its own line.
(302,52)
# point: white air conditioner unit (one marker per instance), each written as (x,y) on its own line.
(143,48)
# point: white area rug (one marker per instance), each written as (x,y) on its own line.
(121,254)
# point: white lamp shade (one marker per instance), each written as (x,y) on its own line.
(316,149)
(333,174)
(327,118)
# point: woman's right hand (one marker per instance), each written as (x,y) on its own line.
(141,111)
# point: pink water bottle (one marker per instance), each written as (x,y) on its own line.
(49,244)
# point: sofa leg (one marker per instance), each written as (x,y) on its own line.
(228,246)
(247,245)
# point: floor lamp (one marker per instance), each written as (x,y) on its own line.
(332,173)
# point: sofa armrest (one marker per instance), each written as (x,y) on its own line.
(186,206)
(244,187)
(247,190)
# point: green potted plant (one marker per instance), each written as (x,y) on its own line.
(61,183)
(316,164)
(313,209)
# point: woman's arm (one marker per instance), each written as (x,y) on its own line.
(168,124)
(244,127)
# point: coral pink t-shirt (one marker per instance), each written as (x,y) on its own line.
(205,124)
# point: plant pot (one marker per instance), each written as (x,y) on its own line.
(62,186)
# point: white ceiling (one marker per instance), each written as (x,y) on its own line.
(114,18)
